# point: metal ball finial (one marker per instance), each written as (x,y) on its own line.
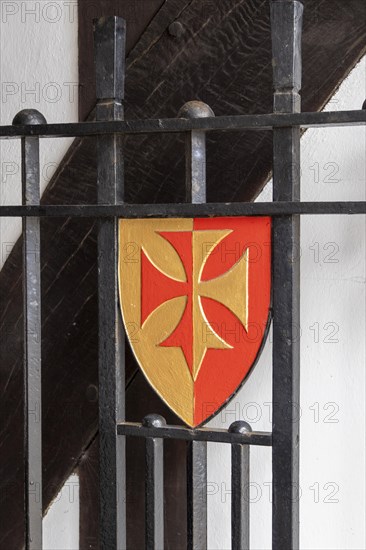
(153,421)
(195,109)
(240,427)
(29,117)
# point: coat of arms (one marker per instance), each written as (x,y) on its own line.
(195,299)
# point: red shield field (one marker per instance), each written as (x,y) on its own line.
(195,299)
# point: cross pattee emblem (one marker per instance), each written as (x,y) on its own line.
(194,333)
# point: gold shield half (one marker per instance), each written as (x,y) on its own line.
(164,367)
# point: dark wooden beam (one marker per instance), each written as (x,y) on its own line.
(221,55)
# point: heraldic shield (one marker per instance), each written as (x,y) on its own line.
(195,299)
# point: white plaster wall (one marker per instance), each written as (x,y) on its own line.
(333,369)
(39,70)
(333,300)
(61,523)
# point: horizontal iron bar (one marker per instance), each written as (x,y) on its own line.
(131,211)
(169,125)
(201,434)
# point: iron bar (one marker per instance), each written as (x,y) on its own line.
(131,211)
(263,439)
(173,125)
(286,22)
(196,495)
(154,485)
(109,35)
(32,336)
(240,478)
(195,152)
(196,450)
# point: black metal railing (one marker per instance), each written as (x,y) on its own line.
(194,120)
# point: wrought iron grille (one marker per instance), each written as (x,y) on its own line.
(286,122)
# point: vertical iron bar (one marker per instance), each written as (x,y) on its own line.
(286,20)
(240,512)
(109,35)
(196,450)
(154,486)
(197,495)
(32,336)
(196,153)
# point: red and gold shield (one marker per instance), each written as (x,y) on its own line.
(195,300)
